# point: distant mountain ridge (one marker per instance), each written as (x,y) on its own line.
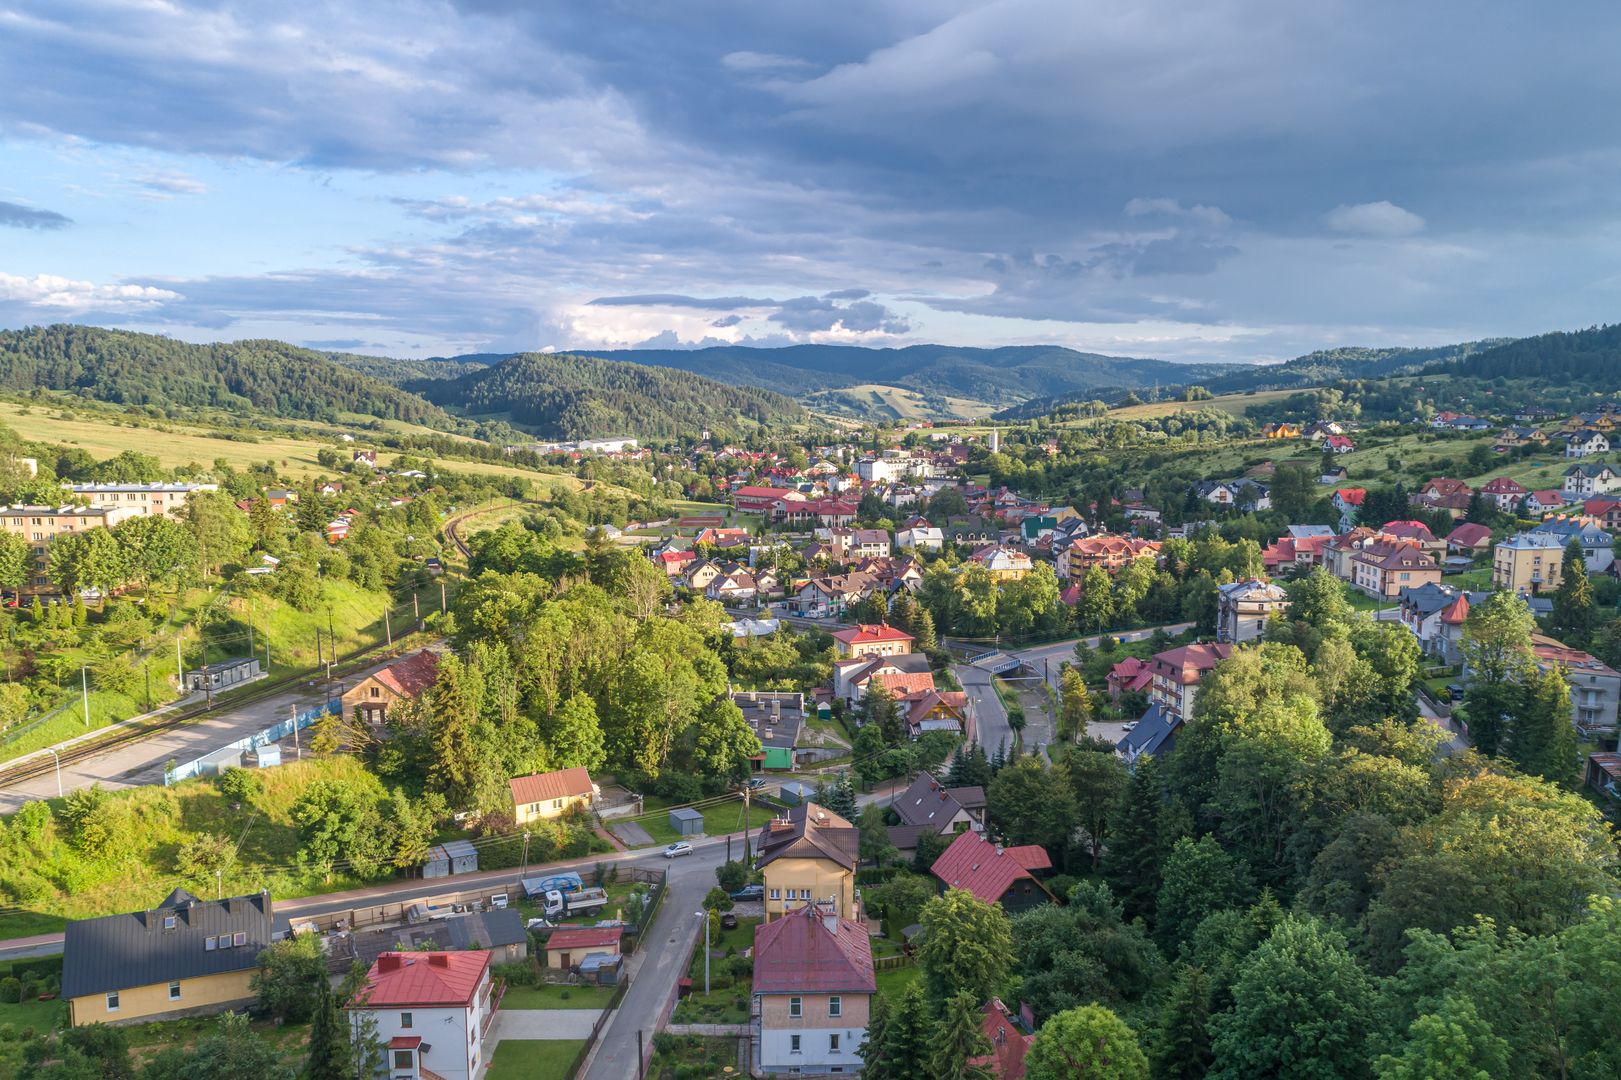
(564,396)
(1002,375)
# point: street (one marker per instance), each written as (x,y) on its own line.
(990,717)
(1047,660)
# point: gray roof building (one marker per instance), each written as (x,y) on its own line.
(182,938)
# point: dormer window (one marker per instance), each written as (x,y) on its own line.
(168,922)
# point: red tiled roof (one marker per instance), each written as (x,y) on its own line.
(1189,663)
(1548,497)
(1009,1045)
(1502,485)
(901,683)
(986,869)
(1455,613)
(870,632)
(544,787)
(411,676)
(1469,534)
(423,978)
(405,1042)
(799,953)
(1352,496)
(584,937)
(749,492)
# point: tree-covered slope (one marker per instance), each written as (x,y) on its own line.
(243,376)
(1592,355)
(566,397)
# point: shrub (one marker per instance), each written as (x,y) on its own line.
(11,990)
(518,973)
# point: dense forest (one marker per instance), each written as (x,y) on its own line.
(1592,356)
(241,376)
(562,396)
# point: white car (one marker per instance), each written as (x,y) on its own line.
(680,847)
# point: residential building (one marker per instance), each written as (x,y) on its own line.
(1339,444)
(993,873)
(776,718)
(540,796)
(147,500)
(1543,502)
(1527,562)
(1129,675)
(39,525)
(1583,443)
(929,808)
(829,596)
(1585,480)
(851,677)
(1607,512)
(1469,539)
(1503,493)
(403,680)
(872,639)
(735,586)
(923,537)
(1416,533)
(1176,675)
(1294,553)
(1435,614)
(1243,494)
(1383,568)
(1154,735)
(860,543)
(1598,546)
(808,854)
(1284,430)
(1595,687)
(812,992)
(759,500)
(430,1010)
(1243,607)
(1002,563)
(185,957)
(1348,501)
(1102,549)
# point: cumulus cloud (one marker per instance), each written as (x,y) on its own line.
(49,292)
(1382,218)
(17,216)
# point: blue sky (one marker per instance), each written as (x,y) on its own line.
(1233,180)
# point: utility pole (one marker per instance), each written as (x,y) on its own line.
(299,750)
(179,665)
(267,640)
(416,610)
(332,645)
(388,628)
(219,883)
(251,649)
(524,872)
(441,596)
(58,758)
(84,688)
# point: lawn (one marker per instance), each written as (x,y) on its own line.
(728,999)
(534,1059)
(554,996)
(38,1016)
(898,979)
(719,819)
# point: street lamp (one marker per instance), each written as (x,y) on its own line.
(704,915)
(58,758)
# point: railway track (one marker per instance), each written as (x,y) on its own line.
(42,764)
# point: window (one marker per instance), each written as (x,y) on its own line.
(835,1006)
(804,894)
(376,692)
(833,1044)
(793,1044)
(225,941)
(796,1006)
(168,922)
(405,1020)
(402,1059)
(112,1001)
(240,939)
(209,943)
(776,894)
(174,991)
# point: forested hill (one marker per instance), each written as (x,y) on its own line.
(1331,365)
(1003,375)
(562,396)
(242,376)
(1592,355)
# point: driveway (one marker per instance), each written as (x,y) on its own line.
(543,1024)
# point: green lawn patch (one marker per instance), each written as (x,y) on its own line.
(40,1016)
(893,982)
(719,819)
(534,1059)
(15,924)
(554,996)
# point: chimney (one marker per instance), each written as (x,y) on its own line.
(439,959)
(388,962)
(831,921)
(999,849)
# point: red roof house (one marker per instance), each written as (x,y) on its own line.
(811,951)
(1009,1043)
(544,795)
(1469,539)
(993,873)
(405,679)
(872,639)
(568,944)
(424,979)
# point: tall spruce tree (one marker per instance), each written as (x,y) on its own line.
(958,1040)
(1572,616)
(331,1054)
(1542,740)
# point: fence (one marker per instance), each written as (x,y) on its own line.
(602,1020)
(212,761)
(659,880)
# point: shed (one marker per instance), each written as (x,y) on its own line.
(226,673)
(570,945)
(794,792)
(686,821)
(451,857)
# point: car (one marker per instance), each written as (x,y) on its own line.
(728,921)
(757,783)
(680,847)
(1129,725)
(1454,691)
(749,892)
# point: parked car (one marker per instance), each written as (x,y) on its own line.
(728,921)
(749,892)
(757,783)
(1454,691)
(680,847)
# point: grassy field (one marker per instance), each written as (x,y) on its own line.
(686,1057)
(897,979)
(1231,403)
(550,996)
(899,403)
(39,1016)
(533,1059)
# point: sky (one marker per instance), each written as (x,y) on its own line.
(1232,180)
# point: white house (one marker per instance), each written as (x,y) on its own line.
(921,537)
(429,1010)
(813,985)
(1582,481)
(1586,441)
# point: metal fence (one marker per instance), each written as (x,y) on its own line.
(230,753)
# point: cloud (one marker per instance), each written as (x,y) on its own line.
(726,321)
(18,216)
(61,295)
(812,314)
(701,303)
(164,185)
(1382,218)
(1210,217)
(755,62)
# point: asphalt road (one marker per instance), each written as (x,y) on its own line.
(990,716)
(1048,659)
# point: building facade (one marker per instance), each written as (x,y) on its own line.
(812,992)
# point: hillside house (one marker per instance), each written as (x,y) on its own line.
(1503,493)
(1176,674)
(1527,562)
(1243,607)
(871,639)
(994,873)
(928,808)
(431,1011)
(1585,480)
(403,680)
(540,796)
(1585,443)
